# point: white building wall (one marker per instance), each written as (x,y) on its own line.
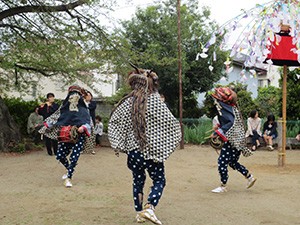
(253,82)
(60,90)
(107,87)
(274,75)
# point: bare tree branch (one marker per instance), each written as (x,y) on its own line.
(78,19)
(50,39)
(14,27)
(31,22)
(28,68)
(39,9)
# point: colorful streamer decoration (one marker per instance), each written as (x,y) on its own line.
(262,31)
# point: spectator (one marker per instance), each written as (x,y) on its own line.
(162,98)
(215,123)
(45,110)
(298,136)
(98,130)
(92,105)
(89,144)
(270,131)
(253,131)
(34,122)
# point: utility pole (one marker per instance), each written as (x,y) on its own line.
(180,73)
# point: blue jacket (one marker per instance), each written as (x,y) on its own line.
(226,120)
(74,113)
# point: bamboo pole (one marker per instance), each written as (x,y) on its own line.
(282,153)
(180,73)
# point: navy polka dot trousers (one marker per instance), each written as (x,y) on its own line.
(64,149)
(137,164)
(229,156)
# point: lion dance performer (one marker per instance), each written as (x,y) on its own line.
(230,132)
(70,124)
(142,126)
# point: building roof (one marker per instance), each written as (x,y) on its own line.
(239,61)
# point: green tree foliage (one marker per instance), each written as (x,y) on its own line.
(54,38)
(245,102)
(209,107)
(123,91)
(268,101)
(151,36)
(293,95)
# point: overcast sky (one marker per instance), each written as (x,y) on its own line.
(222,10)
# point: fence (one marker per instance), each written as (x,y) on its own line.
(195,130)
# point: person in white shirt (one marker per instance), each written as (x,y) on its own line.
(254,131)
(298,136)
(98,130)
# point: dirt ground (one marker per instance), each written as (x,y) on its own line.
(32,192)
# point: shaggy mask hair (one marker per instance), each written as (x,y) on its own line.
(143,83)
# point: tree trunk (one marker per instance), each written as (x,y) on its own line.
(9,132)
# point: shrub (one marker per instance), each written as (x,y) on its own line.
(268,101)
(196,130)
(292,128)
(19,148)
(20,111)
(105,123)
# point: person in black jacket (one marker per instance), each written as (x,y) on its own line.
(45,110)
(92,105)
(270,131)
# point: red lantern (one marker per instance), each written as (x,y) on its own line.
(281,51)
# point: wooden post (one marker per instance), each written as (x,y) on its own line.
(279,140)
(282,153)
(180,73)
